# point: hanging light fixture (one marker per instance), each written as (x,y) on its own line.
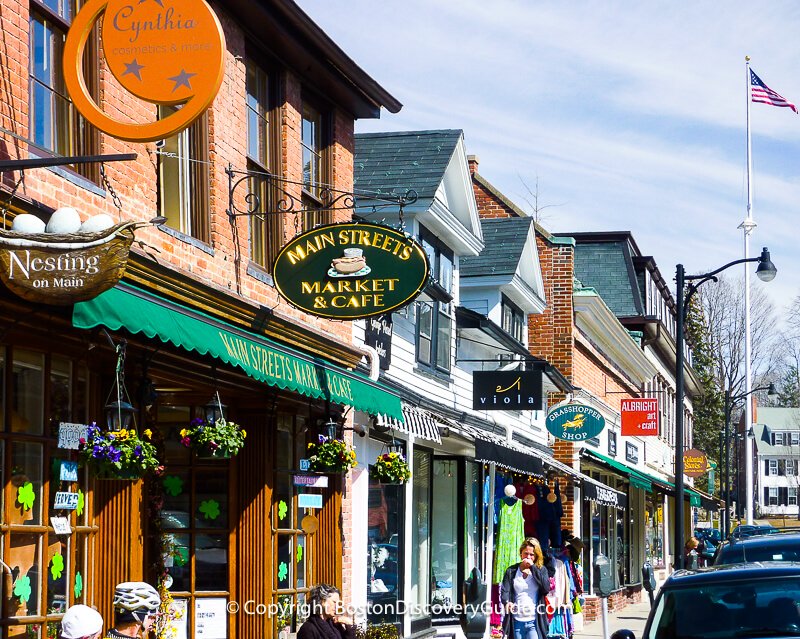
(331,426)
(119,413)
(214,409)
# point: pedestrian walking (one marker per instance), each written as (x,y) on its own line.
(522,592)
(136,605)
(326,620)
(81,622)
(691,553)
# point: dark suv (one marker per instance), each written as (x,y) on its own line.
(772,547)
(742,601)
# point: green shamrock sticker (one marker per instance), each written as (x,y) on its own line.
(57,565)
(22,588)
(26,496)
(282,510)
(173,485)
(78,587)
(299,554)
(81,502)
(283,571)
(210,509)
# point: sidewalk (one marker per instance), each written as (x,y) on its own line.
(632,617)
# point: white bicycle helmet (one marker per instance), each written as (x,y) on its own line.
(136,596)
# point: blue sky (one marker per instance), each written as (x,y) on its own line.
(632,116)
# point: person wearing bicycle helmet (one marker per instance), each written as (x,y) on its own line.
(136,604)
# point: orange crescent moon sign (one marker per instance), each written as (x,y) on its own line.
(166,52)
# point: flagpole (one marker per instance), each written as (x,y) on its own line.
(747,227)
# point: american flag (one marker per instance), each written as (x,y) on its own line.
(762,93)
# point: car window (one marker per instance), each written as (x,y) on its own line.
(743,552)
(769,607)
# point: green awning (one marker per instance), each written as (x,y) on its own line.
(637,479)
(694,498)
(139,311)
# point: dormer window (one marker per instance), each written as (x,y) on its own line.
(435,307)
(513,320)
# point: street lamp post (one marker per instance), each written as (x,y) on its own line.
(766,272)
(730,400)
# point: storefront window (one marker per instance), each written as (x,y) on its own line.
(195,522)
(444,532)
(48,571)
(421,535)
(654,530)
(385,519)
(473,555)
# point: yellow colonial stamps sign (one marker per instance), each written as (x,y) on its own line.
(166,52)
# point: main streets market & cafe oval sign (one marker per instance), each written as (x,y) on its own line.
(574,422)
(349,271)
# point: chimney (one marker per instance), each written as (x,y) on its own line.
(473,161)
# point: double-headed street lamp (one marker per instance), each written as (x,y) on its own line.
(730,401)
(766,272)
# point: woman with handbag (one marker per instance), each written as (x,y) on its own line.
(522,594)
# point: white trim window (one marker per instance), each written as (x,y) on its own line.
(773,496)
(791,467)
(793,496)
(778,438)
(794,439)
(773,468)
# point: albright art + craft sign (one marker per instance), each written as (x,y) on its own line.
(574,422)
(166,52)
(349,271)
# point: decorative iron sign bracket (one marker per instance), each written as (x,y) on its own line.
(281,201)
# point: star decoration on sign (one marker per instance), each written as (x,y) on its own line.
(182,80)
(134,68)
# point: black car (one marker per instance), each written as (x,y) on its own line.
(772,547)
(741,601)
(750,530)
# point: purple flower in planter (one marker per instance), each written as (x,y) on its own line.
(114,454)
(97,452)
(197,421)
(137,452)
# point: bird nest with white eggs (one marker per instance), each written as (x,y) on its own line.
(64,260)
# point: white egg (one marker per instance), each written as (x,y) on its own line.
(96,223)
(27,223)
(64,220)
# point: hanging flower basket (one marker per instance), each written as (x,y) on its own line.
(391,468)
(119,454)
(331,456)
(220,439)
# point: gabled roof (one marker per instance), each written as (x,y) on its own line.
(399,160)
(606,267)
(504,240)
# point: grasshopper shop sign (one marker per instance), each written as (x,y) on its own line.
(574,422)
(350,271)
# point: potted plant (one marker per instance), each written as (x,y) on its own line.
(391,468)
(217,439)
(119,454)
(330,455)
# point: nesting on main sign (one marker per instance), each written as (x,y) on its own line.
(350,271)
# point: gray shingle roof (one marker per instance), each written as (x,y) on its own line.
(604,267)
(504,239)
(396,161)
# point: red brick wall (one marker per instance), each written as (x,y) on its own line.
(136,182)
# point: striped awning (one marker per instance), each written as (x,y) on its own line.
(420,423)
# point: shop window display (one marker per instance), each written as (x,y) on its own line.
(444,532)
(385,509)
(48,571)
(421,535)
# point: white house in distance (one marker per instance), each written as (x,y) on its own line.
(777,441)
